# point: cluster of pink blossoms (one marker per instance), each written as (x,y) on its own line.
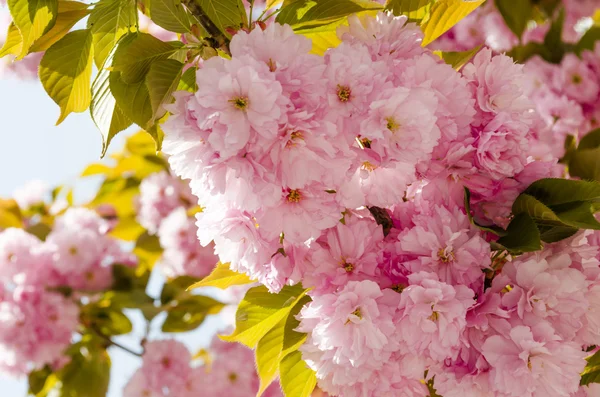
(162,210)
(36,324)
(168,371)
(567,97)
(291,153)
(486,26)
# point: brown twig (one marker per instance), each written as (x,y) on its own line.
(218,38)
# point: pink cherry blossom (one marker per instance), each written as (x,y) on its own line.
(183,254)
(577,80)
(347,252)
(161,193)
(444,242)
(433,316)
(35,329)
(352,334)
(533,364)
(387,37)
(166,364)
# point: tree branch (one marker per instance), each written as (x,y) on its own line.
(219,39)
(112,342)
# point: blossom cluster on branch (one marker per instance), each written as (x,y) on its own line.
(347,173)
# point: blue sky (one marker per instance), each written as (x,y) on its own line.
(32,147)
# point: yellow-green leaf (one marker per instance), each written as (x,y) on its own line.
(260,311)
(128,229)
(10,214)
(310,13)
(109,20)
(132,99)
(69,13)
(171,15)
(415,10)
(222,277)
(225,13)
(273,3)
(190,313)
(137,52)
(458,59)
(65,72)
(12,44)
(162,80)
(297,380)
(33,18)
(268,355)
(278,343)
(444,15)
(188,80)
(107,115)
(293,339)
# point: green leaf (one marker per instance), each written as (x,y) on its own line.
(65,72)
(33,18)
(190,313)
(107,320)
(296,378)
(69,13)
(522,235)
(591,373)
(528,204)
(40,230)
(170,15)
(37,379)
(585,164)
(591,140)
(126,278)
(458,59)
(137,52)
(162,80)
(12,44)
(522,53)
(107,115)
(225,13)
(188,80)
(310,13)
(415,10)
(444,15)
(276,344)
(109,20)
(556,191)
(552,234)
(292,339)
(268,355)
(579,214)
(516,14)
(222,277)
(588,40)
(175,289)
(260,311)
(132,99)
(553,40)
(136,298)
(87,375)
(148,247)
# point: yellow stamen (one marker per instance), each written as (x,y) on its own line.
(294,196)
(344,93)
(240,102)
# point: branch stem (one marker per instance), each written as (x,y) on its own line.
(220,40)
(113,343)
